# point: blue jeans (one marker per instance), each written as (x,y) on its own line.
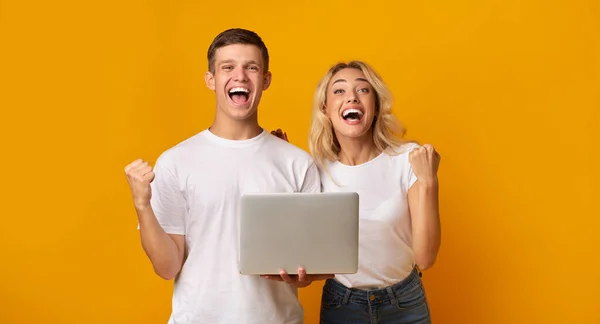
(402,303)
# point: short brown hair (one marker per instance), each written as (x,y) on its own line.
(236,36)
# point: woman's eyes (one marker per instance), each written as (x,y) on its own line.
(340,91)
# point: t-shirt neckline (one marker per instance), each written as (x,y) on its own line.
(234,143)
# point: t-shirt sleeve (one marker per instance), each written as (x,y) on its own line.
(312,179)
(168,201)
(408,176)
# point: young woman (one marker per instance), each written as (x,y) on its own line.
(356,142)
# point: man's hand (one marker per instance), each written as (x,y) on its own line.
(299,280)
(139,175)
(281,134)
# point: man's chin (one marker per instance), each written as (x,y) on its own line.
(241,113)
(237,111)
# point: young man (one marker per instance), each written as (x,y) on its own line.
(187,204)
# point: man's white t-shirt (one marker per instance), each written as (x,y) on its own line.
(195,193)
(385,254)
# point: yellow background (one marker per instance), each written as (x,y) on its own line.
(508,91)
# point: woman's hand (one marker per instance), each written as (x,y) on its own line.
(425,162)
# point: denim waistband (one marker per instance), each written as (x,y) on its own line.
(374,296)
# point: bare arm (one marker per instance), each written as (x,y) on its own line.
(423,203)
(165,251)
(426,229)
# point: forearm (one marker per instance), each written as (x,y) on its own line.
(426,225)
(164,253)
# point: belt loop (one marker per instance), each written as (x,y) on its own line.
(391,295)
(346,296)
(418,270)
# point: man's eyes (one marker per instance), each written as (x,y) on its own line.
(230,67)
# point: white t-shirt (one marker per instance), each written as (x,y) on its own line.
(385,254)
(195,193)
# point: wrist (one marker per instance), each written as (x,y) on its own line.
(431,183)
(142,207)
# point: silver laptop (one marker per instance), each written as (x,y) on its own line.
(283,231)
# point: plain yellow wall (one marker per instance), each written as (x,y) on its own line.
(508,91)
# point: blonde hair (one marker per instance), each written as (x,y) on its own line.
(387,130)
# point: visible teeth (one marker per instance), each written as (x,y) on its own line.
(351,110)
(239,90)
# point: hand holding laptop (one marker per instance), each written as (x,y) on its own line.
(315,234)
(299,280)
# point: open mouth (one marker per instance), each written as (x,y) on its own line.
(239,95)
(352,115)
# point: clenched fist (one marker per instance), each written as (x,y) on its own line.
(139,175)
(425,162)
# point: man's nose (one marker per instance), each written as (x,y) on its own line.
(240,75)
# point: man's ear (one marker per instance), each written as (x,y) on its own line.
(209,78)
(267,80)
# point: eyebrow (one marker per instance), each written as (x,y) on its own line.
(232,61)
(343,80)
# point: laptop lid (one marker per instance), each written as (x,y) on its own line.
(283,231)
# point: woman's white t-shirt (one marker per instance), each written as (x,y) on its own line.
(385,237)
